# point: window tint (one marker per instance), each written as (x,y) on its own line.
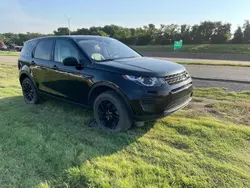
(28,48)
(43,49)
(63,49)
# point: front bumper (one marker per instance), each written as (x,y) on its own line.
(167,112)
(161,102)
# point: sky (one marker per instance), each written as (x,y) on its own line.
(45,16)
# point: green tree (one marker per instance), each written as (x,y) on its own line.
(238,36)
(185,34)
(11,39)
(62,31)
(4,39)
(94,30)
(195,34)
(207,30)
(24,37)
(111,30)
(222,33)
(144,35)
(246,32)
(82,31)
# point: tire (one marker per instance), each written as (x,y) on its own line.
(110,100)
(30,92)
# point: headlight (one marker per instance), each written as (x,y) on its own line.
(145,81)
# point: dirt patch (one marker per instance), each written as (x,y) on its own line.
(237,112)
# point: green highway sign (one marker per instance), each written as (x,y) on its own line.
(177,44)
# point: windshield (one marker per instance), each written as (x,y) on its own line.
(105,49)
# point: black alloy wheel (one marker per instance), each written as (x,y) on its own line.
(30,93)
(111,112)
(108,114)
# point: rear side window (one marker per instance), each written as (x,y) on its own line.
(28,48)
(43,49)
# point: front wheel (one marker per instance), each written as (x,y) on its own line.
(111,112)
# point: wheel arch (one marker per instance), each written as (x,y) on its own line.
(101,87)
(23,74)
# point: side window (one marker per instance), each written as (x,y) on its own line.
(43,49)
(28,48)
(63,49)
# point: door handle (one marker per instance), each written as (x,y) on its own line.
(54,67)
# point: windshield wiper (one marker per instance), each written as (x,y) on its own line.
(105,60)
(131,57)
(112,59)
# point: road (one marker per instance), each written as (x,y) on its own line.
(200,56)
(8,59)
(220,72)
(231,86)
(216,72)
(201,60)
(237,74)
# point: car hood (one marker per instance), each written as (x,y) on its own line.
(141,66)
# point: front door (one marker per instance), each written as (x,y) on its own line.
(69,82)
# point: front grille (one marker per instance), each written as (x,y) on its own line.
(178,102)
(177,78)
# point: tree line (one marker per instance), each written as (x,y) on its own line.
(204,33)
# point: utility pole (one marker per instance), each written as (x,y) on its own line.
(68,19)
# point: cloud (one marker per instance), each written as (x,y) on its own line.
(14,19)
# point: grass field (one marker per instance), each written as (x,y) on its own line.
(50,145)
(7,53)
(202,48)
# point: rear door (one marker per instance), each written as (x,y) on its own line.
(25,57)
(43,69)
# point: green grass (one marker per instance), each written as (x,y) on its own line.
(7,53)
(50,145)
(199,48)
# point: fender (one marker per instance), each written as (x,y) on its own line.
(113,87)
(25,70)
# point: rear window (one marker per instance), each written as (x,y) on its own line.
(43,49)
(28,48)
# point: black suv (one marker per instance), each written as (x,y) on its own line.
(104,74)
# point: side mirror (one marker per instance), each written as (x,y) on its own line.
(70,61)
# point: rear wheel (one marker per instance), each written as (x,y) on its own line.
(30,93)
(111,112)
